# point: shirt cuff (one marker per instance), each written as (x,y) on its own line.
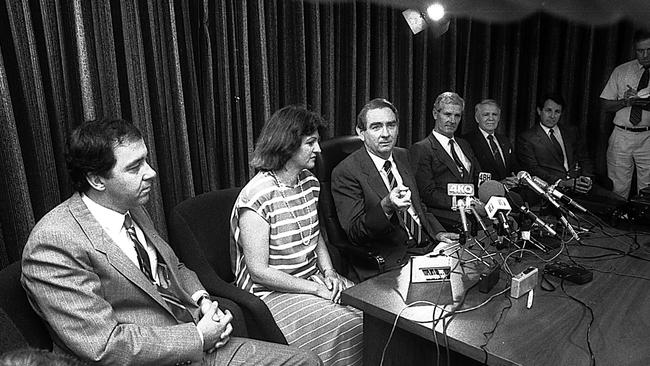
(198,295)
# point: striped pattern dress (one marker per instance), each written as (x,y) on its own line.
(332,331)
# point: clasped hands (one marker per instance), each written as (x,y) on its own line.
(214,325)
(330,286)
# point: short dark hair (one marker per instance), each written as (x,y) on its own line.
(377,103)
(556,97)
(90,148)
(640,35)
(282,135)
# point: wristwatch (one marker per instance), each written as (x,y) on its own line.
(203,296)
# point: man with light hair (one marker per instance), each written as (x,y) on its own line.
(442,158)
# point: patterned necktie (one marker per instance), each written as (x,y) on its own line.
(556,145)
(636,112)
(459,164)
(143,256)
(501,166)
(413,230)
(175,304)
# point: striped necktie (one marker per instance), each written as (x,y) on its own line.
(459,164)
(411,226)
(175,304)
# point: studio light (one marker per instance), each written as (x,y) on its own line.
(434,19)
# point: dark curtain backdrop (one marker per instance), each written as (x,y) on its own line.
(199,78)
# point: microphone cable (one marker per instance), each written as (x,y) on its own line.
(592,357)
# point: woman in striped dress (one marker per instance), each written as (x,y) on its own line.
(277,251)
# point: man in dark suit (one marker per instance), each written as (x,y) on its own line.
(493,151)
(376,198)
(554,152)
(109,287)
(441,158)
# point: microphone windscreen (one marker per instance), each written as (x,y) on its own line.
(490,188)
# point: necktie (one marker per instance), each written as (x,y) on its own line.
(175,304)
(412,228)
(501,166)
(143,256)
(556,145)
(636,112)
(459,164)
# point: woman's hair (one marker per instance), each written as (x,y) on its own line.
(90,148)
(282,135)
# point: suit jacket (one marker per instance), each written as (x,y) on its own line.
(357,190)
(486,158)
(434,168)
(537,157)
(97,303)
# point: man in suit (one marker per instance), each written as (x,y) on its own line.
(110,289)
(493,151)
(441,158)
(377,201)
(555,153)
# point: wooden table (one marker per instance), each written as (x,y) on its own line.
(552,332)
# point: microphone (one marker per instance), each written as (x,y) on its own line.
(521,206)
(498,207)
(523,175)
(463,217)
(559,195)
(537,220)
(477,216)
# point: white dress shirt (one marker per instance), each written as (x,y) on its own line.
(113,224)
(379,164)
(444,141)
(558,137)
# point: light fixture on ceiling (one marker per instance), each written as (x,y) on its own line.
(434,18)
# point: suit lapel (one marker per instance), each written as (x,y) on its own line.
(102,243)
(374,179)
(405,172)
(568,147)
(545,141)
(505,150)
(442,155)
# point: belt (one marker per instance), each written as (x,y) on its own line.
(634,129)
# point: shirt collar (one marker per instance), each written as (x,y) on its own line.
(444,140)
(111,221)
(485,134)
(379,162)
(556,129)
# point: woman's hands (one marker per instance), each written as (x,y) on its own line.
(330,286)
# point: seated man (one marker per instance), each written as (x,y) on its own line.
(377,201)
(110,289)
(493,150)
(441,158)
(554,152)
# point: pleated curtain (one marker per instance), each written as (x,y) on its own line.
(199,78)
